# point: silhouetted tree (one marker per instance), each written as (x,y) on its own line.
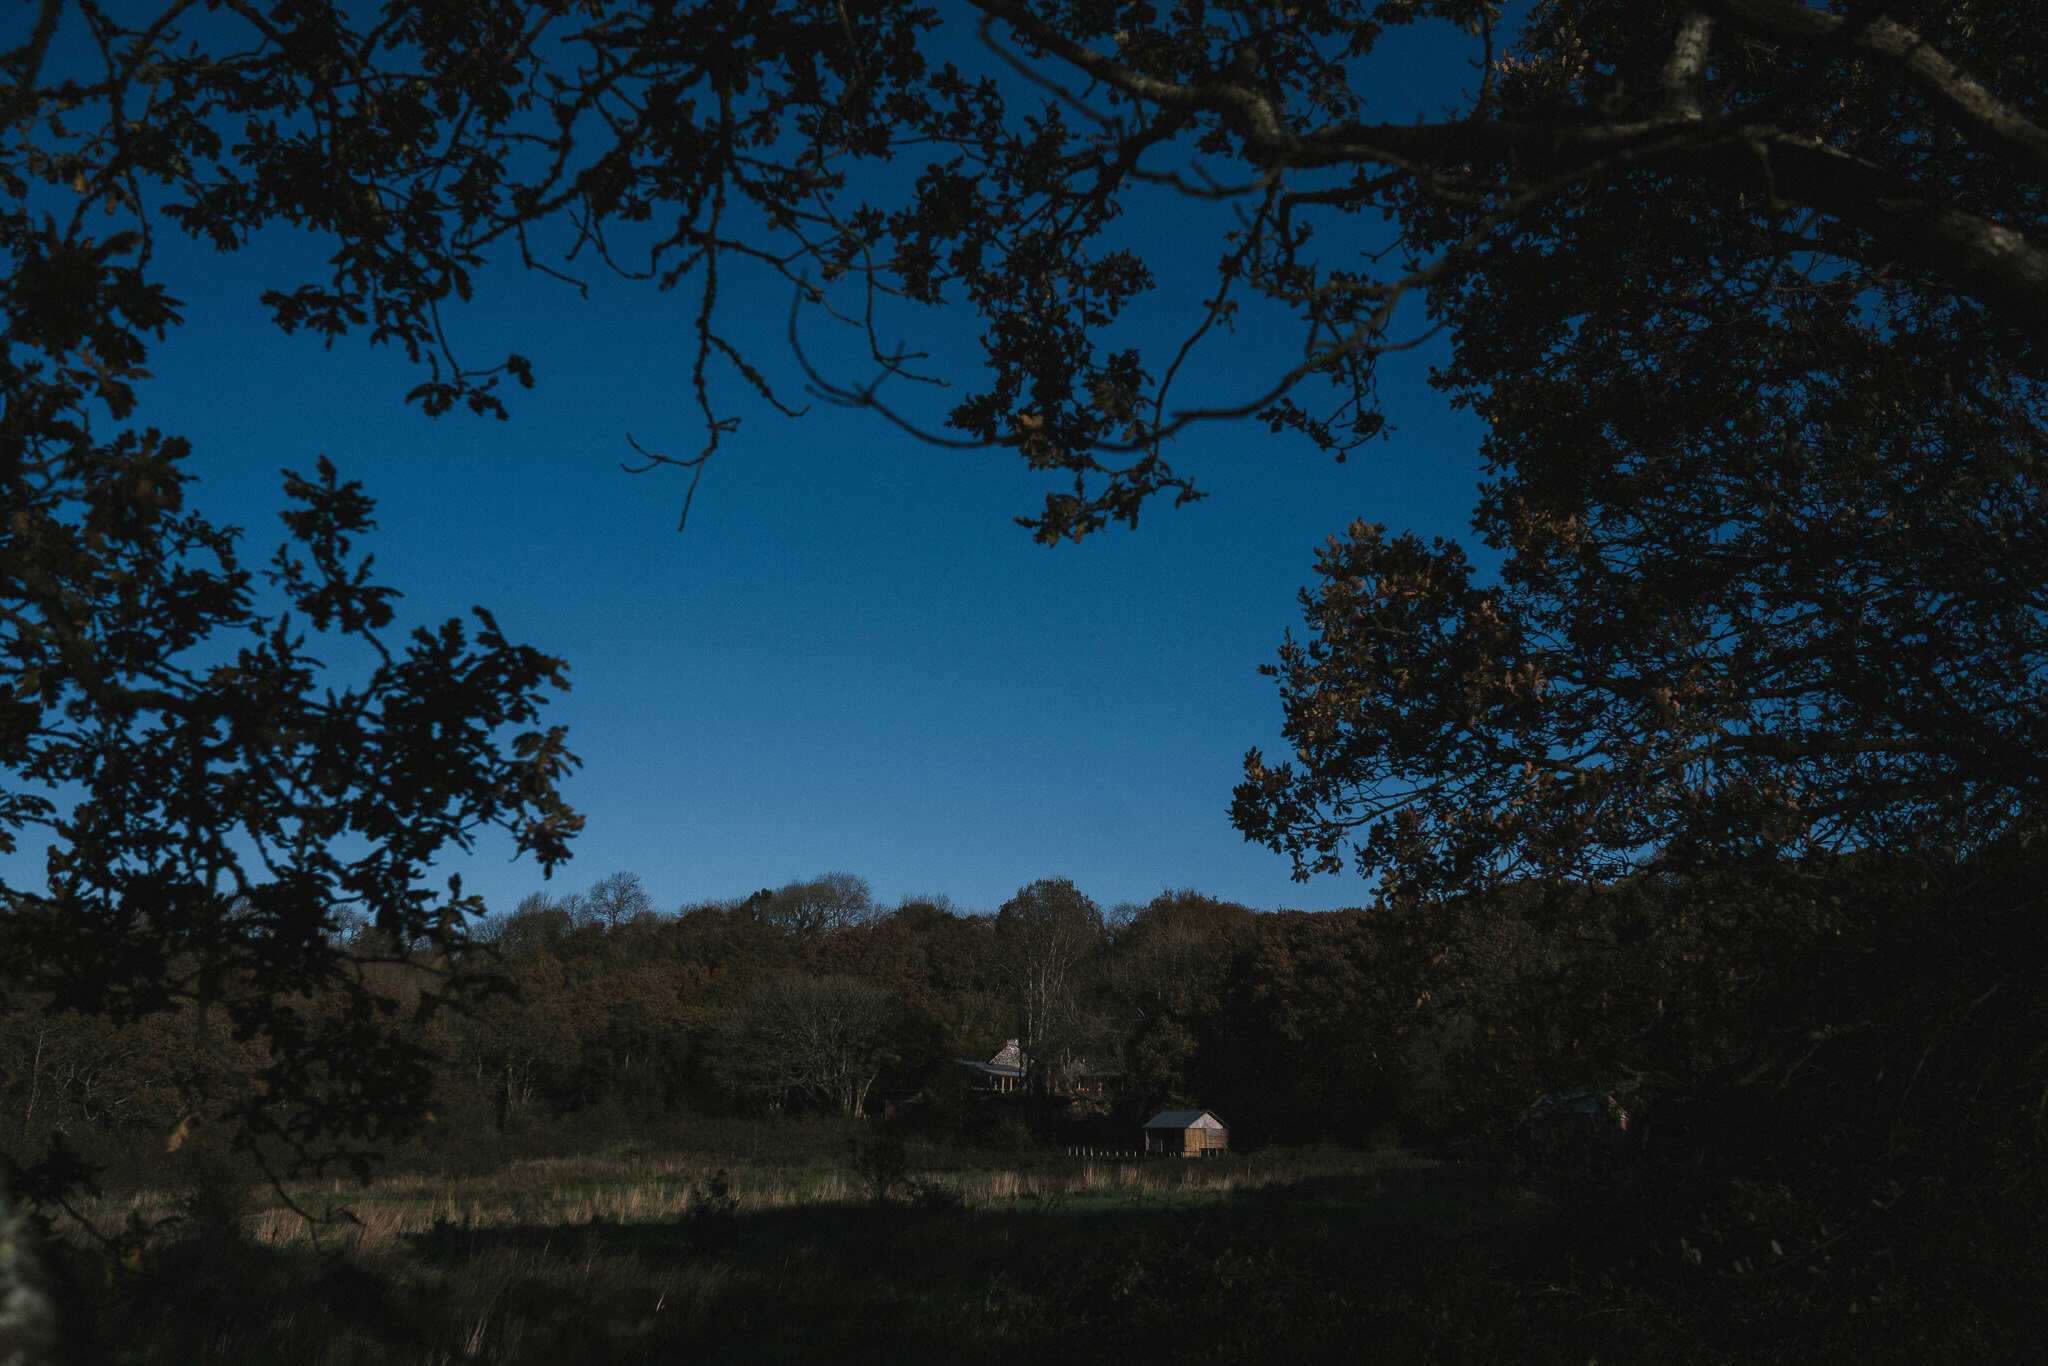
(616,901)
(234,827)
(1765,465)
(821,905)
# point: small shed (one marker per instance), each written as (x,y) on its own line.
(1186,1133)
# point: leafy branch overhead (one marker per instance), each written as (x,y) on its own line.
(235,804)
(726,141)
(1764,483)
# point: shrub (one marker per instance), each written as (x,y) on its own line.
(930,1193)
(710,1221)
(880,1164)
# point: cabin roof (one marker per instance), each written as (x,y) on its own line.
(992,1069)
(1186,1119)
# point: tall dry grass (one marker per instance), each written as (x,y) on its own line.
(651,1187)
(603,1259)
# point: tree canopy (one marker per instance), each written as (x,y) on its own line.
(1765,474)
(221,808)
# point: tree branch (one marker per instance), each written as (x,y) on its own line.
(1887,42)
(1996,265)
(1685,70)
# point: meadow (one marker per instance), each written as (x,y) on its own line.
(738,1240)
(782,1251)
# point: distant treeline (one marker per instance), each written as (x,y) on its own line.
(1399,1023)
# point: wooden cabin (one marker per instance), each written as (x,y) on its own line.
(1186,1133)
(1001,1074)
(1075,1072)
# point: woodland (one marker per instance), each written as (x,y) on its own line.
(1720,787)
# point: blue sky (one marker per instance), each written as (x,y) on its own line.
(851,659)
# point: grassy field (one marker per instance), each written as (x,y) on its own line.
(650,1256)
(646,1187)
(732,1253)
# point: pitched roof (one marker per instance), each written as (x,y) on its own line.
(1185,1119)
(991,1068)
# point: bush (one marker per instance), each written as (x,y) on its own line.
(710,1221)
(880,1164)
(213,1212)
(929,1193)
